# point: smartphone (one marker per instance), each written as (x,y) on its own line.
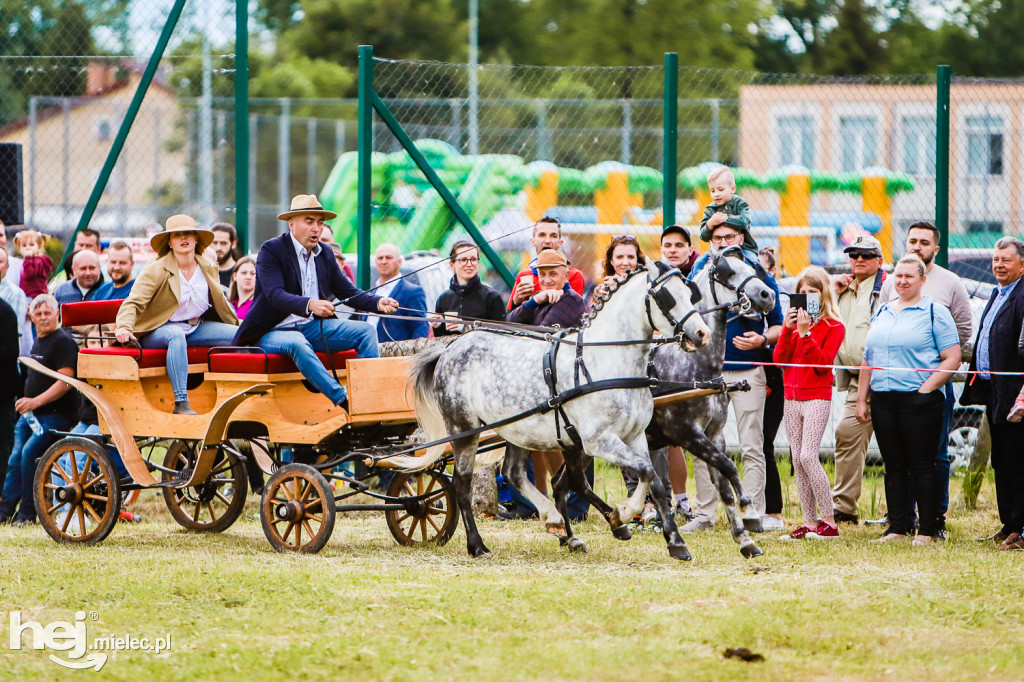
(809,302)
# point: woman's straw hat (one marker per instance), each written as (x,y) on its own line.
(180,223)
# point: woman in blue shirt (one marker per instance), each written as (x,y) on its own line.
(906,406)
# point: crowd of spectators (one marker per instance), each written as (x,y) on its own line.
(888,343)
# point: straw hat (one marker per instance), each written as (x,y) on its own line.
(180,223)
(306,203)
(549,258)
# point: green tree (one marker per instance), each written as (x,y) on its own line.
(854,47)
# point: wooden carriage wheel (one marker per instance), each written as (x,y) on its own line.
(211,506)
(297,509)
(77,492)
(434,519)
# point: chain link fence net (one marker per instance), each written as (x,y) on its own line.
(820,160)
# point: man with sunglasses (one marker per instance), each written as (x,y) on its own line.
(858,295)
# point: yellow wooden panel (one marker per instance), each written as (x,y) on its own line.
(379,386)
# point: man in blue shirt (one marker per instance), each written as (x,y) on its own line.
(747,341)
(120,261)
(87,278)
(997,350)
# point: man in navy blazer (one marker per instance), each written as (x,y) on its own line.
(411,299)
(292,313)
(997,350)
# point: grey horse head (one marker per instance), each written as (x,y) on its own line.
(731,278)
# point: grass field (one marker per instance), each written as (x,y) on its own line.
(368,609)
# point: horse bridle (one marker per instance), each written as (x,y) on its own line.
(665,301)
(720,273)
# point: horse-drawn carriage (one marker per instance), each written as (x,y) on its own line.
(580,402)
(296,436)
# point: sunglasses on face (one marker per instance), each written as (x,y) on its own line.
(624,236)
(862,255)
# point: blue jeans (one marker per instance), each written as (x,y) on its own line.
(302,342)
(21,468)
(83,429)
(176,342)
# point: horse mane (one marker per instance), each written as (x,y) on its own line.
(603,298)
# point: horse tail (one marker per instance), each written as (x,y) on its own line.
(428,412)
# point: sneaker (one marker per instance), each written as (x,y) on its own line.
(891,537)
(22,521)
(884,521)
(128,517)
(697,525)
(823,532)
(771,523)
(683,511)
(649,515)
(799,534)
(843,517)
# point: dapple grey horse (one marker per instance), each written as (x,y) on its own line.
(485,377)
(697,425)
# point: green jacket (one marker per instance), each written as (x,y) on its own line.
(738,211)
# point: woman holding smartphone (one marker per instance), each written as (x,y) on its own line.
(810,339)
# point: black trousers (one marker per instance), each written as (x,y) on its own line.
(8,417)
(1008,464)
(773,406)
(908,427)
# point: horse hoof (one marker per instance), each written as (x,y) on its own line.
(680,552)
(622,533)
(577,545)
(753,525)
(563,540)
(750,551)
(480,553)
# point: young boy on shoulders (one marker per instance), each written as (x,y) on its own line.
(726,208)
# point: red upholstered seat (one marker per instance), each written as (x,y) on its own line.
(258,363)
(150,358)
(90,312)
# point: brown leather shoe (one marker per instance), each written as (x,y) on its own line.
(1014,543)
(997,538)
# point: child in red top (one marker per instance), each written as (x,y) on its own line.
(36,266)
(809,398)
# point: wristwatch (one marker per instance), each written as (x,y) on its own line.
(804,336)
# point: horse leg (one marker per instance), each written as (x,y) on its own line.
(513,469)
(719,460)
(677,548)
(462,479)
(612,449)
(560,489)
(748,547)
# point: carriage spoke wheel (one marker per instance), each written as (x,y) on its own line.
(434,519)
(213,505)
(77,493)
(297,509)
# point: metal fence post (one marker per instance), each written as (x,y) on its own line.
(943,77)
(284,127)
(242,185)
(671,134)
(365,150)
(626,132)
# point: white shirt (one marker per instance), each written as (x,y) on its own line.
(308,278)
(194,301)
(13,295)
(14,270)
(382,290)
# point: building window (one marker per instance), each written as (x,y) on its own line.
(796,141)
(985,226)
(984,145)
(918,135)
(858,137)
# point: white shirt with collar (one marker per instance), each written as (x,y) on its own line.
(384,291)
(307,277)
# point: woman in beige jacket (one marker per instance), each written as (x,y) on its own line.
(177,302)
